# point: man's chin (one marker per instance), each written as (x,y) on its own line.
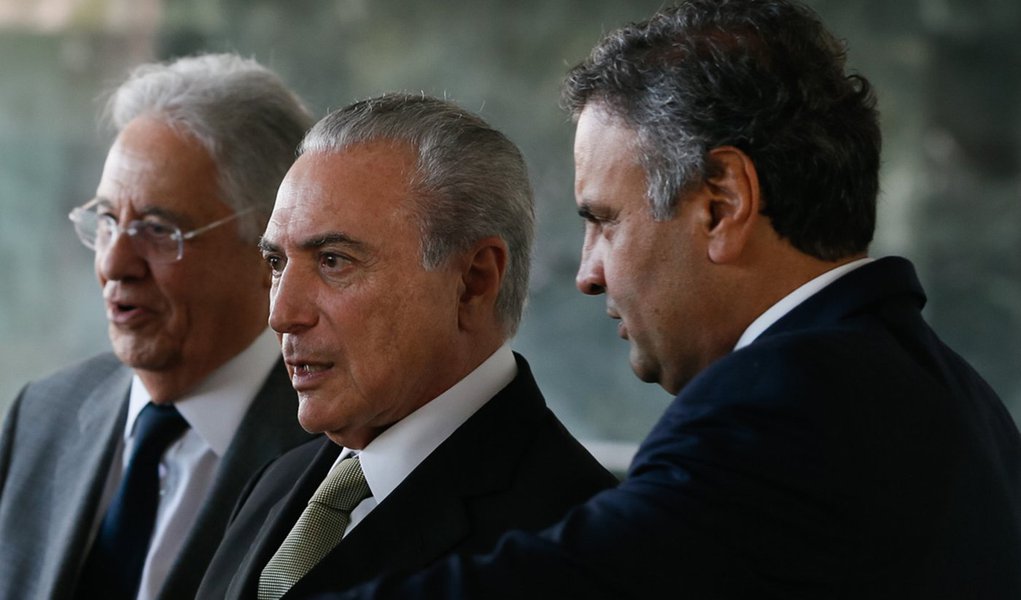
(140,355)
(642,368)
(310,417)
(653,373)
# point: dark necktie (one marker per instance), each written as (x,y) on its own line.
(318,530)
(113,568)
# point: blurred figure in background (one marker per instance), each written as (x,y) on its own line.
(118,474)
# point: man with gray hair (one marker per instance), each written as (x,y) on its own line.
(823,442)
(399,246)
(117,475)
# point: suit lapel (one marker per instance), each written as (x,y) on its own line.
(427,516)
(413,526)
(259,439)
(82,470)
(279,521)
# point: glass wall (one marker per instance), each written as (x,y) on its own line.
(946,72)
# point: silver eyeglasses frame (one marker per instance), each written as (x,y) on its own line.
(145,238)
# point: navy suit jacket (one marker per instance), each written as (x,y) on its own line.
(58,440)
(846,453)
(510,465)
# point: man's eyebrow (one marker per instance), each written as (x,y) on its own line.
(148,211)
(331,239)
(316,242)
(587,212)
(267,247)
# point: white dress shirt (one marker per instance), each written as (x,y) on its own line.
(795,298)
(214,411)
(395,453)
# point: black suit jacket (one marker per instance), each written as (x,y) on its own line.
(510,465)
(846,453)
(58,439)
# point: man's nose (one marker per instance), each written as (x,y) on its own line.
(292,306)
(118,259)
(590,279)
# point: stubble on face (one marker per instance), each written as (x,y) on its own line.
(654,273)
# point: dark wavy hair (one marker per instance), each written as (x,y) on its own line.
(764,76)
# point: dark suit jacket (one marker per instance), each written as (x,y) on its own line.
(846,453)
(58,439)
(510,465)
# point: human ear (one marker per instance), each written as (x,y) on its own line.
(734,203)
(482,273)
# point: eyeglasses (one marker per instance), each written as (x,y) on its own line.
(155,240)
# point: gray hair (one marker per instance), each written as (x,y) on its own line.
(241,113)
(471,181)
(765,76)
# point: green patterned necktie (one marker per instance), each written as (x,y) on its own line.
(318,530)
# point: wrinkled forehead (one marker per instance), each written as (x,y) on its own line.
(359,191)
(153,168)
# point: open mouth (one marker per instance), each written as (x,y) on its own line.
(305,375)
(308,369)
(125,314)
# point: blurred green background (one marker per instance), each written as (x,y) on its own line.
(947,73)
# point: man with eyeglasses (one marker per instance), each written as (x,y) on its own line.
(118,474)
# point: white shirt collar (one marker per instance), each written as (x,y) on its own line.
(216,407)
(792,300)
(395,453)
